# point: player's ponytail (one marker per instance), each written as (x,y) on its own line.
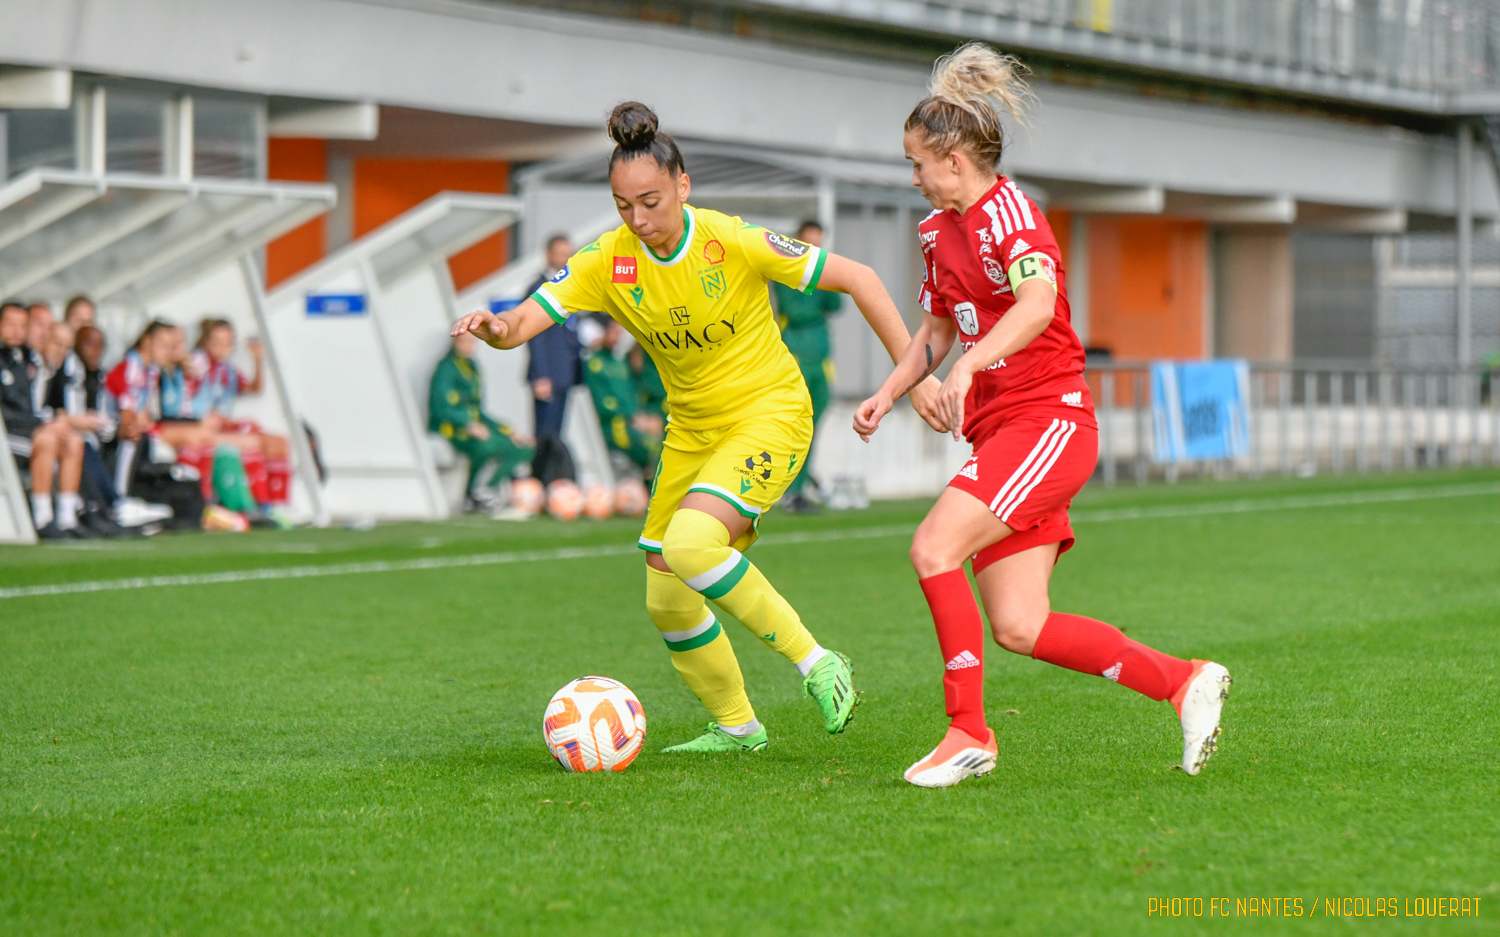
(633,127)
(970,87)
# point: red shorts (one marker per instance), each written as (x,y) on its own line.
(1028,473)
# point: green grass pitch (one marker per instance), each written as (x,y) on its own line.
(362,753)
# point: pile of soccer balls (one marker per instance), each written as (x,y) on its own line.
(564,500)
(594,724)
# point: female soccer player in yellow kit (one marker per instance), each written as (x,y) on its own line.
(691,286)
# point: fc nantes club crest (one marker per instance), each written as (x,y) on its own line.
(713,282)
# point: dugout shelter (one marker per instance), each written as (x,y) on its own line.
(148,246)
(359,334)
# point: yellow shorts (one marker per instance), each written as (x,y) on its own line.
(748,464)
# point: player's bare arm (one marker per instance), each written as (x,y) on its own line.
(509,329)
(914,370)
(863,285)
(1036,304)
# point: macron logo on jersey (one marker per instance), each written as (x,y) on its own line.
(624,270)
(1020,247)
(963,660)
(1073,398)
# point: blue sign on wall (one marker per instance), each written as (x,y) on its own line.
(1200,410)
(335,304)
(498,306)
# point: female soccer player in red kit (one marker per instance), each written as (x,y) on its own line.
(994,280)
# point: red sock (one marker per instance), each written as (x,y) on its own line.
(255,473)
(202,459)
(961,636)
(1090,646)
(279,479)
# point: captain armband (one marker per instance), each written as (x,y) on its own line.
(1032,267)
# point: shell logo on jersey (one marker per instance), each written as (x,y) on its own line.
(624,270)
(785,246)
(713,252)
(967,318)
(994,271)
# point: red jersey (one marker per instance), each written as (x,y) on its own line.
(972,263)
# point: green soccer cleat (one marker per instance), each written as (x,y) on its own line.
(717,740)
(831,685)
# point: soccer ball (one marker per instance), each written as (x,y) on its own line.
(526,495)
(631,498)
(594,724)
(598,502)
(564,500)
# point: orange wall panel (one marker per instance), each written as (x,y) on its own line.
(296,161)
(384,188)
(1146,296)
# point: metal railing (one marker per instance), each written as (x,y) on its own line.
(1311,417)
(1402,52)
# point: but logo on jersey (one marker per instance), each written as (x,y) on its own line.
(624,270)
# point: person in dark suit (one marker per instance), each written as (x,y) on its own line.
(555,367)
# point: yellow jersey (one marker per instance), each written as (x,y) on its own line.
(703,313)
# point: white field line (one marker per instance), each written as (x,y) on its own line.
(1202,509)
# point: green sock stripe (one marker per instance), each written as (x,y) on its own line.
(696,641)
(728,581)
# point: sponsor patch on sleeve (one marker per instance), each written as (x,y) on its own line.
(560,275)
(785,246)
(623,270)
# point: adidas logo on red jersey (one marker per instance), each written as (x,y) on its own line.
(1073,398)
(1020,247)
(1113,673)
(963,660)
(970,470)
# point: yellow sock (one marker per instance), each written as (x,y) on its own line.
(700,649)
(697,548)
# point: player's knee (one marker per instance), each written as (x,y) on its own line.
(692,543)
(1016,629)
(931,553)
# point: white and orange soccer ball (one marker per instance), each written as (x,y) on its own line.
(594,724)
(527,494)
(598,502)
(631,498)
(564,500)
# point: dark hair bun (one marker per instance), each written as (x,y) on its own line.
(632,125)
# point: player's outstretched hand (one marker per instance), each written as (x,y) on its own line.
(950,399)
(486,326)
(924,399)
(867,417)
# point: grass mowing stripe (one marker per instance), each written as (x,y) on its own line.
(1294,502)
(396,566)
(1207,508)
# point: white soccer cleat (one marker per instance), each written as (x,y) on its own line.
(1199,703)
(959,755)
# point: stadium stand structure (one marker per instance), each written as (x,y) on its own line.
(157,246)
(359,334)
